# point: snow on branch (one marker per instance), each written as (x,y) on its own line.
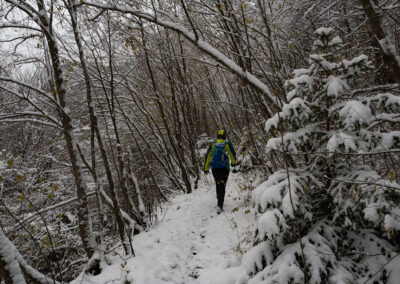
(9,265)
(30,120)
(16,265)
(124,215)
(38,212)
(199,43)
(15,26)
(33,88)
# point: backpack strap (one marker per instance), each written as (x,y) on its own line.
(209,155)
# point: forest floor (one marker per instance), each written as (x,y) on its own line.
(190,242)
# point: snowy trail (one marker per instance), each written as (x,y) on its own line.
(191,243)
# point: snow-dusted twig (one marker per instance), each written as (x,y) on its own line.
(394,151)
(16,264)
(199,43)
(34,215)
(357,182)
(381,268)
(376,88)
(9,265)
(235,229)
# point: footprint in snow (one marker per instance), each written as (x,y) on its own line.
(195,273)
(193,249)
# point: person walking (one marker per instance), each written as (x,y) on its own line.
(217,156)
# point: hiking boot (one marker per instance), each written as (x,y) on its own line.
(219,210)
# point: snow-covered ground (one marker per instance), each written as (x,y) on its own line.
(190,243)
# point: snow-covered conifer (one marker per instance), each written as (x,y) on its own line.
(347,208)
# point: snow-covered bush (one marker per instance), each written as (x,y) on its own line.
(250,150)
(34,197)
(344,190)
(202,144)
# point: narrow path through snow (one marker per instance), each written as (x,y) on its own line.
(191,243)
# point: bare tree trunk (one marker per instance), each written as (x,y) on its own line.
(87,237)
(182,167)
(95,128)
(388,51)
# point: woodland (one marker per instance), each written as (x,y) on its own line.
(108,106)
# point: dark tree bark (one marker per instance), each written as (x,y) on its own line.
(95,128)
(87,237)
(389,56)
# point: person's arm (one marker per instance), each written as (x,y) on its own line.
(208,158)
(231,151)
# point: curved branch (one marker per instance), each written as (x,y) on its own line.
(200,44)
(16,265)
(4,26)
(33,88)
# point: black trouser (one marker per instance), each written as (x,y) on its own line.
(220,177)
